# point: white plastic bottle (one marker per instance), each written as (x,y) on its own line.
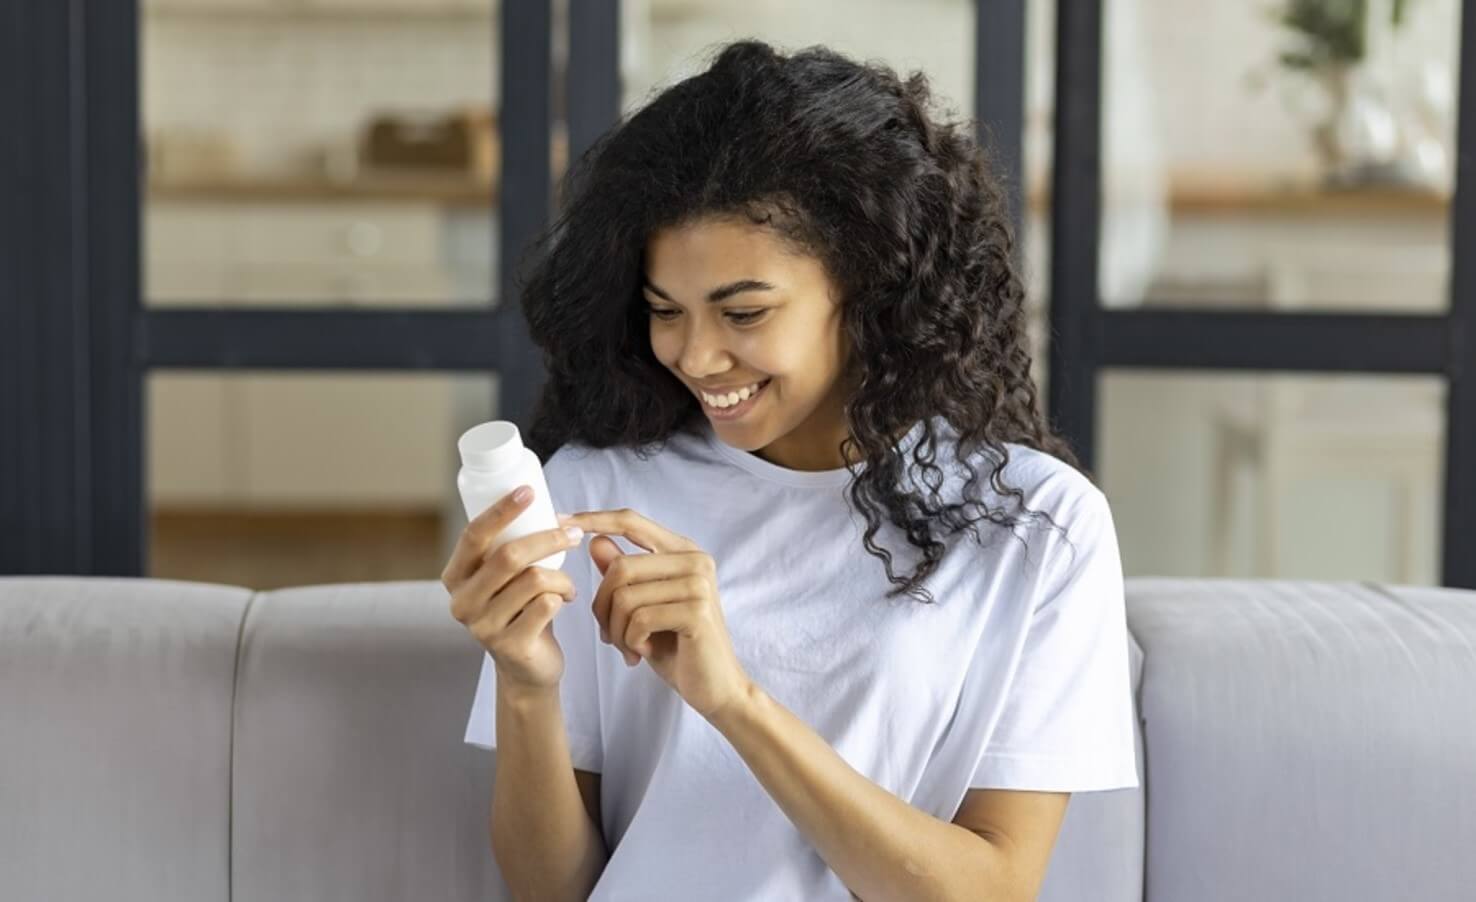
(493,463)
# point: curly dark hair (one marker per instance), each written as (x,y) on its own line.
(844,161)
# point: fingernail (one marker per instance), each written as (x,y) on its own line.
(574,533)
(522,495)
(604,635)
(631,660)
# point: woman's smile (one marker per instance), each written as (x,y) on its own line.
(732,411)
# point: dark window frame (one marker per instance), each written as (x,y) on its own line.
(1086,339)
(76,342)
(80,342)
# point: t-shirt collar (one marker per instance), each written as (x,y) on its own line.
(800,478)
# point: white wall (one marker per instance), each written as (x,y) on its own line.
(280,86)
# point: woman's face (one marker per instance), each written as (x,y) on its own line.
(731,306)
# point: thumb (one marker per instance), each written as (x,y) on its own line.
(604,551)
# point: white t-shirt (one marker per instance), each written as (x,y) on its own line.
(1016,678)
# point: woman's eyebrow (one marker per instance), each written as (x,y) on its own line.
(722,292)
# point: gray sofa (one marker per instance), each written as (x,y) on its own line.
(174,741)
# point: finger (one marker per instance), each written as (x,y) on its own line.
(631,525)
(604,551)
(488,599)
(510,558)
(633,568)
(628,599)
(506,607)
(493,571)
(673,616)
(534,618)
(482,529)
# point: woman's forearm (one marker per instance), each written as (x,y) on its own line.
(543,839)
(880,846)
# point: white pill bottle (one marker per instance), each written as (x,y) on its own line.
(493,463)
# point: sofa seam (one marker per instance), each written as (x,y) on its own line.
(1140,731)
(231,752)
(1381,590)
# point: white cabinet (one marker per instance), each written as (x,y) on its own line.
(281,440)
(1266,475)
(1309,263)
(193,452)
(209,7)
(337,440)
(406,234)
(302,284)
(188,250)
(407,8)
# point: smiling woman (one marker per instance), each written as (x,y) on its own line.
(891,296)
(780,295)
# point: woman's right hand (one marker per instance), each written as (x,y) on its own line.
(505,602)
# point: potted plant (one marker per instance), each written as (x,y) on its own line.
(1359,139)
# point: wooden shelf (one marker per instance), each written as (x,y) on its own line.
(447,190)
(307,10)
(1213,194)
(1189,195)
(1248,194)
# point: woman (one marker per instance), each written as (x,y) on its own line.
(780,296)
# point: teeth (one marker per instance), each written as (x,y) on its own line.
(733,397)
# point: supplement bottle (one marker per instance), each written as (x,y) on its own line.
(493,463)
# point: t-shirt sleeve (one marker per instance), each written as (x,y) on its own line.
(1067,724)
(575,630)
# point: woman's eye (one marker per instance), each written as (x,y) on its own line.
(735,317)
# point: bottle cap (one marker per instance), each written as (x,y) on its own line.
(490,446)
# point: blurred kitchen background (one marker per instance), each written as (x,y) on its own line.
(1255,153)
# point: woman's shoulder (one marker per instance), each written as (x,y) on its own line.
(1055,501)
(1052,494)
(1047,479)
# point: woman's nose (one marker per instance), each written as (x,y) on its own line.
(702,353)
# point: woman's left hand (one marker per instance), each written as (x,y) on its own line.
(664,607)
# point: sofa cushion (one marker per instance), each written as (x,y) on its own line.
(352,781)
(115,736)
(1312,741)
